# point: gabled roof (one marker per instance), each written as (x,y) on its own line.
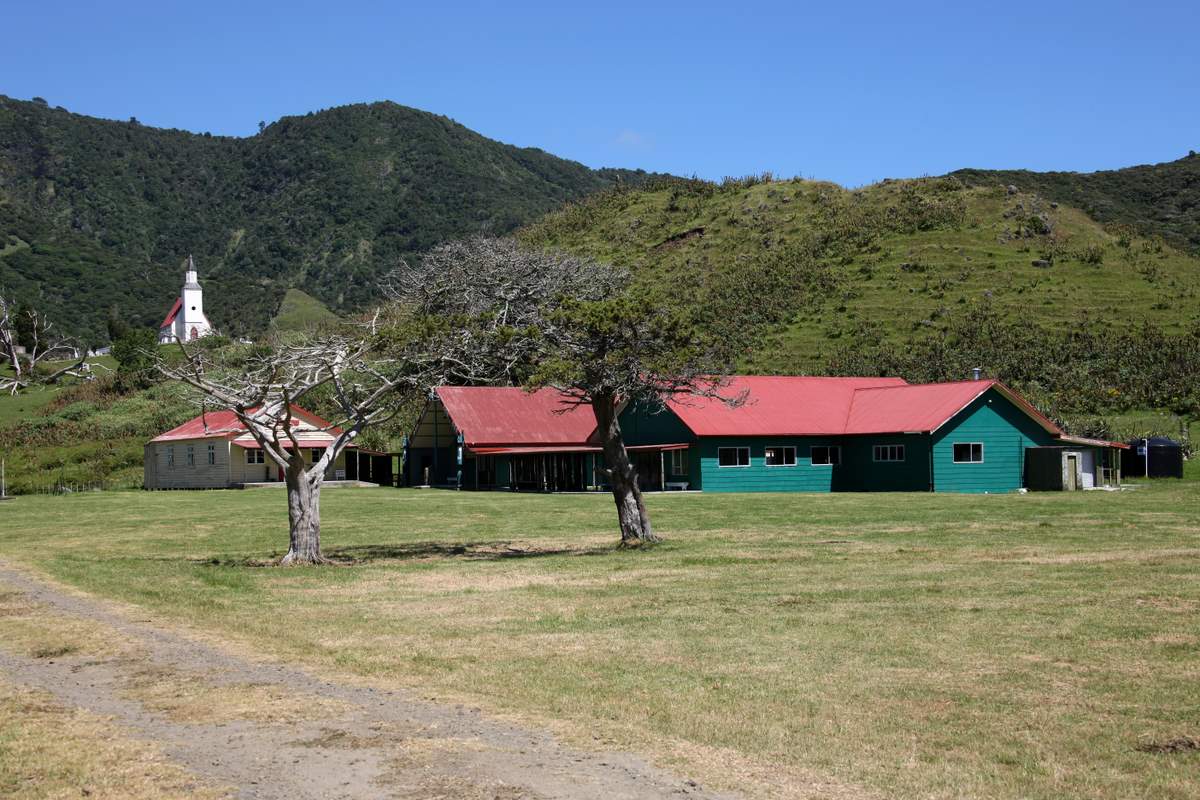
(925,407)
(776,405)
(504,418)
(224,424)
(503,415)
(171,314)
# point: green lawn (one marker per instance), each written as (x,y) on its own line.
(907,645)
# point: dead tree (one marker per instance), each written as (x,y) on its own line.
(264,388)
(546,318)
(27,339)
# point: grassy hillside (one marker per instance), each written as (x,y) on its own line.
(97,214)
(301,312)
(1159,199)
(913,265)
(902,254)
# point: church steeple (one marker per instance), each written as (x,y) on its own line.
(190,281)
(186,320)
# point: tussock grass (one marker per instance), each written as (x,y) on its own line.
(904,645)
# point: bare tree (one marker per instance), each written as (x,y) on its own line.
(27,339)
(482,302)
(547,318)
(263,389)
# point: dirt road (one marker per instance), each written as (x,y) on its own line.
(275,731)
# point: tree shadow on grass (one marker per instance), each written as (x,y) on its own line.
(356,555)
(464,551)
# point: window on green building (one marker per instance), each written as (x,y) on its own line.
(679,462)
(780,456)
(191,455)
(733,456)
(968,453)
(826,456)
(889,452)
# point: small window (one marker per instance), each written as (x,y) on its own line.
(191,456)
(968,453)
(679,462)
(316,454)
(826,456)
(889,452)
(170,458)
(733,456)
(212,454)
(254,456)
(780,456)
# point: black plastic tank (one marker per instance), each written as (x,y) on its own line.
(1165,458)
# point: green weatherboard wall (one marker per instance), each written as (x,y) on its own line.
(991,420)
(1003,430)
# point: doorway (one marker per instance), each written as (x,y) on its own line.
(1072,472)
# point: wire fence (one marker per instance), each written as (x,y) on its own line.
(61,487)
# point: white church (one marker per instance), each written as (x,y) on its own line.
(186,321)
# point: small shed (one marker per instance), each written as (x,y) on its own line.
(1058,468)
(1155,457)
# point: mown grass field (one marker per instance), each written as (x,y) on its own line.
(907,646)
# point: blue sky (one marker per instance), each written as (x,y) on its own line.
(851,92)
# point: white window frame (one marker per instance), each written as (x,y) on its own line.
(887,450)
(971,452)
(212,454)
(785,448)
(736,458)
(679,462)
(255,455)
(832,449)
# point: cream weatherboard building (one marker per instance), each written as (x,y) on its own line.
(215,451)
(186,321)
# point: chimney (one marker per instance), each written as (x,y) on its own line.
(976,373)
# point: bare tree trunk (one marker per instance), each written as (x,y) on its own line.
(304,514)
(631,510)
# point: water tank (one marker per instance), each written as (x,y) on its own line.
(1165,458)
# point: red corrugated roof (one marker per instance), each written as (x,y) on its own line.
(224,424)
(776,406)
(171,314)
(501,419)
(909,409)
(211,424)
(566,448)
(502,415)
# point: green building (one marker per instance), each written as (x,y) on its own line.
(787,434)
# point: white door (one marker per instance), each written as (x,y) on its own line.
(1087,469)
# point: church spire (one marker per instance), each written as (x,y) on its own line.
(190,281)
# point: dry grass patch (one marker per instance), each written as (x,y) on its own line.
(29,629)
(190,698)
(48,752)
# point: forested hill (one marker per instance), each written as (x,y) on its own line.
(1159,199)
(97,215)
